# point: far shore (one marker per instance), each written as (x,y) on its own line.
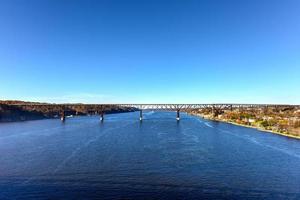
(248,126)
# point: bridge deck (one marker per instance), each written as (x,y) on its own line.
(102,108)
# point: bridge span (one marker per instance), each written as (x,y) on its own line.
(101,109)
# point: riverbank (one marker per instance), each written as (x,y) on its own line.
(13,113)
(248,126)
(37,116)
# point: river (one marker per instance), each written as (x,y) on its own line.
(159,158)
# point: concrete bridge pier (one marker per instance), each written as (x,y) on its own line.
(178,115)
(141,115)
(101,116)
(62,116)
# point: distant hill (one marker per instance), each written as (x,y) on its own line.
(10,113)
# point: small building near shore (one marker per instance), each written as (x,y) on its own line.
(252,120)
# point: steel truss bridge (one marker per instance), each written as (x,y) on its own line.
(102,108)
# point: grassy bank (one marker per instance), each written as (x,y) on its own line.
(249,126)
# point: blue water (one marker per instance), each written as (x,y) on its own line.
(156,159)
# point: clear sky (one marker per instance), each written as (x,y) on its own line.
(109,51)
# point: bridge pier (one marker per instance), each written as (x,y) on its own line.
(141,115)
(63,116)
(101,116)
(178,116)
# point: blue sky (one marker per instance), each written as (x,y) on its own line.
(121,51)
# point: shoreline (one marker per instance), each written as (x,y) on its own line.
(249,126)
(57,117)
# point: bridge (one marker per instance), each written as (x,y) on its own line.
(101,109)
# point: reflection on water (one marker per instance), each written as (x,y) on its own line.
(158,158)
